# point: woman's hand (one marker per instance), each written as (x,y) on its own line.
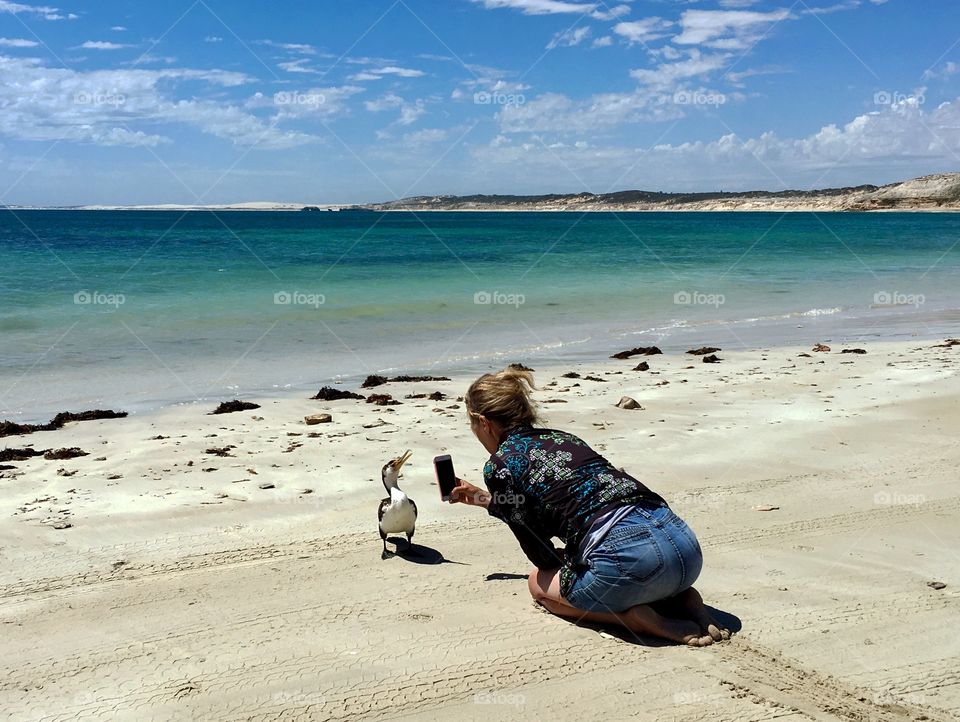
(466,493)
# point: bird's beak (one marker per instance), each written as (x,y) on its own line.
(400,461)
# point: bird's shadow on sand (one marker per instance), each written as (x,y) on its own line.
(724,619)
(416,553)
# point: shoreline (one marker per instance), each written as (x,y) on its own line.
(548,354)
(294,405)
(229,547)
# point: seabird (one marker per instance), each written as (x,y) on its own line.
(397,513)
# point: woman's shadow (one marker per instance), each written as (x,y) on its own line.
(725,620)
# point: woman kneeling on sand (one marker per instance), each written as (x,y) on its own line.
(628,560)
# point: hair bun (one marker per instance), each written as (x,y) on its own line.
(504,397)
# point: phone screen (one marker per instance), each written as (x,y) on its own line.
(446,478)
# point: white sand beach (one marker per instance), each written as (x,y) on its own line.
(187,585)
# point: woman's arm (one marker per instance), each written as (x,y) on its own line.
(540,552)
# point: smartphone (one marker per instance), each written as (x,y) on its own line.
(446,477)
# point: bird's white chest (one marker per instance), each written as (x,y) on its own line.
(399,516)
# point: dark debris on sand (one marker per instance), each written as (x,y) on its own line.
(10,428)
(382,400)
(854,350)
(71,453)
(328,393)
(11,454)
(638,351)
(519,367)
(228,407)
(703,350)
(220,450)
(949,343)
(642,366)
(435,396)
(374,380)
(712,359)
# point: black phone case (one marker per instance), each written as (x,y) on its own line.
(447,478)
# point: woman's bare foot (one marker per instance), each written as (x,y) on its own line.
(689,604)
(644,620)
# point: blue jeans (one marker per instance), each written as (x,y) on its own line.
(649,555)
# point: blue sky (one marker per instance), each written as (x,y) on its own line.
(213,101)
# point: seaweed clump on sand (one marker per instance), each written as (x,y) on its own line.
(638,351)
(10,428)
(12,454)
(229,407)
(71,453)
(375,380)
(328,393)
(435,396)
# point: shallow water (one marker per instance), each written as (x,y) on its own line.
(140,309)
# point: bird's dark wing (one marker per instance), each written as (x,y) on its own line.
(413,504)
(384,503)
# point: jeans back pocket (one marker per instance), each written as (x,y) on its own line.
(635,552)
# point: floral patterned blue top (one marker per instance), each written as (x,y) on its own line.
(545,483)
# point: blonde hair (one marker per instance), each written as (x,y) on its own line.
(503,397)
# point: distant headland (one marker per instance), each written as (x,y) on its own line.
(940,192)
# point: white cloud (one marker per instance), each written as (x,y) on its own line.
(118,28)
(569,38)
(426,136)
(398,71)
(489,80)
(296,66)
(15,8)
(409,112)
(726,29)
(596,10)
(18,43)
(386,102)
(949,68)
(378,73)
(900,141)
(642,31)
(539,7)
(213,39)
(612,13)
(315,102)
(556,113)
(102,45)
(301,48)
(666,75)
(901,132)
(149,58)
(829,9)
(604,42)
(105,106)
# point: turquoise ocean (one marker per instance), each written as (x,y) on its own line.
(136,310)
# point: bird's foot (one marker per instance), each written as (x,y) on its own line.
(386,554)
